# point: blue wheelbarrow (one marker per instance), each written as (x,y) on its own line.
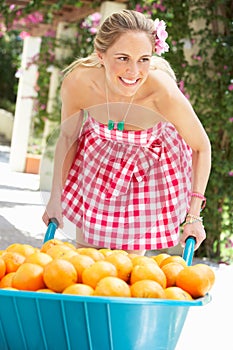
(43,321)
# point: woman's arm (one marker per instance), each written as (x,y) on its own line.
(175,107)
(71,123)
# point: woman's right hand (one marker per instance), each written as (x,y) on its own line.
(53,210)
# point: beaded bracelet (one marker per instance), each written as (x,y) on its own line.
(190,222)
(201,196)
(193,219)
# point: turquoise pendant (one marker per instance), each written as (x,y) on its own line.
(121,125)
(111,125)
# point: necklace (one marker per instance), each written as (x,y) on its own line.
(121,124)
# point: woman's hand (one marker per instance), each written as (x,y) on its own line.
(53,210)
(195,230)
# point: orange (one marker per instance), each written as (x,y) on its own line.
(94,273)
(70,245)
(147,289)
(24,249)
(2,268)
(45,290)
(6,281)
(105,251)
(12,260)
(208,271)
(194,280)
(132,255)
(57,251)
(80,262)
(79,289)
(177,293)
(69,254)
(123,264)
(59,274)
(38,258)
(143,260)
(173,258)
(93,253)
(116,251)
(171,271)
(50,244)
(28,277)
(112,286)
(9,288)
(148,272)
(160,257)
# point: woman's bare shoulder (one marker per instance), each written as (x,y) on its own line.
(79,76)
(162,78)
(79,83)
(163,85)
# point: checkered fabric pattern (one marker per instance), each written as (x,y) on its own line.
(129,190)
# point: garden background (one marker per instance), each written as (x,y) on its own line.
(204,28)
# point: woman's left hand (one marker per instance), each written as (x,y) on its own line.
(195,230)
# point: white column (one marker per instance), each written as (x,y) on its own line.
(108,7)
(64,31)
(24,104)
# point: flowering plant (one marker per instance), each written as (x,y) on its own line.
(201,55)
(161,35)
(91,22)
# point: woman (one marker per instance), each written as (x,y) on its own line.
(132,160)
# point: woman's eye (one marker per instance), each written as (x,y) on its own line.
(123,58)
(145,59)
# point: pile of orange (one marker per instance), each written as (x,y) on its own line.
(59,267)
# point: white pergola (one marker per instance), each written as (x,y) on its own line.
(26,92)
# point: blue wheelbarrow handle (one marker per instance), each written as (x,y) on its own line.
(189,250)
(52,226)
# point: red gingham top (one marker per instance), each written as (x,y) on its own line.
(129,190)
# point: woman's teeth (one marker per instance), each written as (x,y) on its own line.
(130,82)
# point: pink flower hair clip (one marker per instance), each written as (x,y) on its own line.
(161,35)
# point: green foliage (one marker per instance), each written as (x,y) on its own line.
(10,51)
(209,82)
(206,77)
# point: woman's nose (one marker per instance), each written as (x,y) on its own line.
(132,68)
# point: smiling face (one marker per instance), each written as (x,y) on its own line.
(127,63)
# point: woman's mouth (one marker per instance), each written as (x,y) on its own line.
(129,82)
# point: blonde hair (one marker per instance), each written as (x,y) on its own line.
(109,32)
